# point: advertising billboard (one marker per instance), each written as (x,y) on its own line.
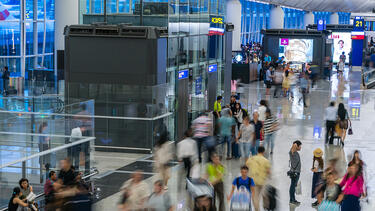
(342,42)
(296,50)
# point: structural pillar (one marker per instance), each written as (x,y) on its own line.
(308,18)
(334,18)
(66,13)
(233,15)
(276,18)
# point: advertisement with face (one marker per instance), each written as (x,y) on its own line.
(296,50)
(342,42)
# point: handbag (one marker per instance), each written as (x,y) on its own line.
(299,188)
(350,130)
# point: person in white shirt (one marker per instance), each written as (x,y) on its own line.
(187,152)
(77,150)
(262,110)
(330,117)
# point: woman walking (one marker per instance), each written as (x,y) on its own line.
(317,169)
(343,121)
(239,114)
(246,137)
(352,188)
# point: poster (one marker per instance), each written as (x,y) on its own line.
(296,50)
(342,42)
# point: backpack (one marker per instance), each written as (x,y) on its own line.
(238,183)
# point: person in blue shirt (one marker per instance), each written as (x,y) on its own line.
(226,123)
(267,60)
(280,60)
(243,180)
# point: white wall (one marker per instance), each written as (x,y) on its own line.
(276,18)
(66,13)
(233,15)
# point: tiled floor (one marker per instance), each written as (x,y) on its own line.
(307,125)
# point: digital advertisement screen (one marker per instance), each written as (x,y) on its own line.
(296,50)
(342,42)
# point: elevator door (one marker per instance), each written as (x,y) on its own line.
(182,107)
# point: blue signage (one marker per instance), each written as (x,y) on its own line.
(358,24)
(198,86)
(321,25)
(212,68)
(182,74)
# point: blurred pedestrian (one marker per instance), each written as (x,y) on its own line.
(271,125)
(258,129)
(49,190)
(277,81)
(317,169)
(343,121)
(260,169)
(262,110)
(352,188)
(135,193)
(329,194)
(202,127)
(215,175)
(159,200)
(163,154)
(331,118)
(247,183)
(226,122)
(187,152)
(245,137)
(304,87)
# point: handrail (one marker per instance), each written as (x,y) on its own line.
(93,172)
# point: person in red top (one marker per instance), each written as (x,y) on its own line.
(352,188)
(48,187)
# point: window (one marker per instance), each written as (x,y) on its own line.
(38,38)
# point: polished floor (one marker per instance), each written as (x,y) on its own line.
(307,125)
(297,122)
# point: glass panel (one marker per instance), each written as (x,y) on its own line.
(29,11)
(29,65)
(50,9)
(40,9)
(10,38)
(40,37)
(14,65)
(111,6)
(123,6)
(29,27)
(50,37)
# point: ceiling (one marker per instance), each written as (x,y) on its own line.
(327,5)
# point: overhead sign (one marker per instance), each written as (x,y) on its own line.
(212,68)
(182,74)
(284,41)
(358,24)
(198,85)
(322,24)
(216,25)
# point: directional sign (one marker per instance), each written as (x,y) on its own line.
(212,68)
(358,24)
(182,74)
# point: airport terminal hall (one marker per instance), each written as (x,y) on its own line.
(187,105)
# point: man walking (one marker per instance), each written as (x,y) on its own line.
(259,170)
(331,117)
(295,171)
